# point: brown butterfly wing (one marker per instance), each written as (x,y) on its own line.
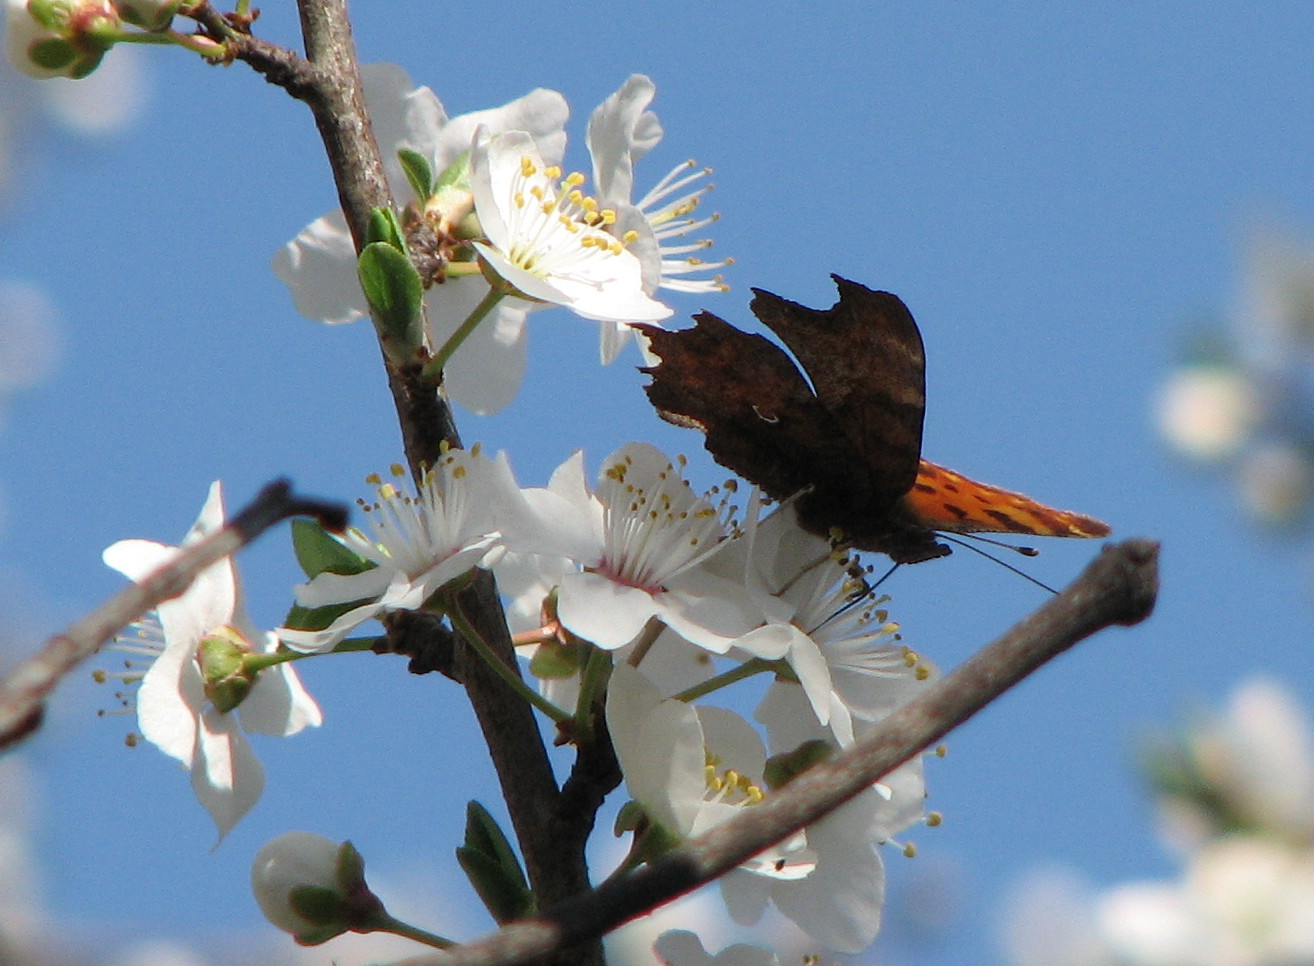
(866,362)
(760,417)
(865,359)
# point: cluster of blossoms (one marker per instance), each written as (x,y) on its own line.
(634,586)
(503,199)
(1236,802)
(1241,400)
(637,566)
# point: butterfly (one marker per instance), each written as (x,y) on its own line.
(846,440)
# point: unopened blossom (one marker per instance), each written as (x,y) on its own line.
(694,768)
(319,265)
(290,862)
(640,539)
(417,543)
(174,711)
(68,40)
(549,240)
(621,131)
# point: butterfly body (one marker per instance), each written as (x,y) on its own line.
(846,440)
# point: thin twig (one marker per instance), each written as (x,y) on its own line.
(23,691)
(1119,587)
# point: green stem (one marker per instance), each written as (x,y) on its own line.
(473,638)
(595,670)
(433,369)
(258,662)
(387,923)
(726,678)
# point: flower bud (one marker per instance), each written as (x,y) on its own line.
(59,38)
(313,888)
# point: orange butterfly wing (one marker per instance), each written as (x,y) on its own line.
(944,500)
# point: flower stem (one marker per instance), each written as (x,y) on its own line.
(513,680)
(434,367)
(387,923)
(595,670)
(726,678)
(258,662)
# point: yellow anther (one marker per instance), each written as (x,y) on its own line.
(374,479)
(910,850)
(574,179)
(630,237)
(934,819)
(527,168)
(387,492)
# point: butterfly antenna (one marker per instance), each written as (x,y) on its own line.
(1024,551)
(865,590)
(1003,563)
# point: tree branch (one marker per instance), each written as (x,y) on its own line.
(23,691)
(553,850)
(1119,587)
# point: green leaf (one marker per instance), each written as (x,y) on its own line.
(418,172)
(492,867)
(504,897)
(484,834)
(395,293)
(385,226)
(455,175)
(319,551)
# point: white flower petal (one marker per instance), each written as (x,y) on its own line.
(319,269)
(168,703)
(602,611)
(278,703)
(620,132)
(226,776)
(660,747)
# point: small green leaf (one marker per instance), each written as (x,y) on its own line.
(395,293)
(318,551)
(484,834)
(503,897)
(418,172)
(492,867)
(455,175)
(384,226)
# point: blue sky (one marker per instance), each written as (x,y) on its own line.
(1055,192)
